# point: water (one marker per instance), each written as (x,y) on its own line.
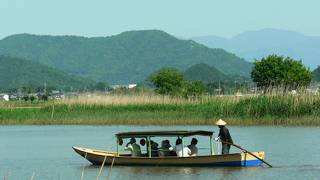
(45,152)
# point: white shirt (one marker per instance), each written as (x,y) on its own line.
(186,151)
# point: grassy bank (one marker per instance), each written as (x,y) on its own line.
(157,110)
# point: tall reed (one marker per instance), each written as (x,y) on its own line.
(161,110)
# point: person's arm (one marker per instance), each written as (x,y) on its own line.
(128,148)
(189,151)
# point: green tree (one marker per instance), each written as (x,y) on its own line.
(316,74)
(278,72)
(169,81)
(195,89)
(101,86)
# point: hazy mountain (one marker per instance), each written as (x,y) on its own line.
(16,73)
(125,58)
(257,44)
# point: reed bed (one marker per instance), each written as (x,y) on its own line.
(161,110)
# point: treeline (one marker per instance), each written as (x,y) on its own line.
(29,89)
(270,74)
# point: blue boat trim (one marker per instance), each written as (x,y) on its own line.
(254,162)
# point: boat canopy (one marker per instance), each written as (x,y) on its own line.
(163,133)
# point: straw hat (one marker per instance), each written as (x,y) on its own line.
(221,122)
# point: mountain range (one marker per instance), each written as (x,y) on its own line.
(253,45)
(128,57)
(18,73)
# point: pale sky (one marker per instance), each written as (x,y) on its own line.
(182,18)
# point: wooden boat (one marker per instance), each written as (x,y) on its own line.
(98,157)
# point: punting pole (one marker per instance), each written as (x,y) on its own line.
(117,147)
(239,147)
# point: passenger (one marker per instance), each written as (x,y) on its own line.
(134,148)
(154,149)
(193,148)
(180,150)
(165,149)
(224,136)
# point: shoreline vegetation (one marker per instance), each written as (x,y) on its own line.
(150,109)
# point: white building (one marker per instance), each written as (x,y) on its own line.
(4,97)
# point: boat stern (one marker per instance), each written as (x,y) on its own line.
(249,160)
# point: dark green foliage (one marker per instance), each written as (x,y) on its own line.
(276,71)
(28,76)
(195,89)
(125,58)
(169,81)
(316,74)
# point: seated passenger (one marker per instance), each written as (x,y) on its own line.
(134,148)
(193,148)
(154,149)
(165,149)
(180,150)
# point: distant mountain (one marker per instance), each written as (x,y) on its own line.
(257,44)
(205,73)
(316,73)
(16,73)
(125,58)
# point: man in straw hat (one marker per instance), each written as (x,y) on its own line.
(224,136)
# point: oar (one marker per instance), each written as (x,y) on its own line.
(237,146)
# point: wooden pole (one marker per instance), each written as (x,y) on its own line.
(117,147)
(104,160)
(149,146)
(182,145)
(211,146)
(239,147)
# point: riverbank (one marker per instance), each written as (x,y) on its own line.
(303,110)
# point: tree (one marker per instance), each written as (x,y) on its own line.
(316,74)
(169,81)
(101,86)
(278,72)
(195,89)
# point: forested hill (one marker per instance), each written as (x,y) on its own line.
(125,58)
(17,73)
(205,73)
(210,75)
(316,73)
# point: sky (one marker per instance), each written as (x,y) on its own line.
(182,18)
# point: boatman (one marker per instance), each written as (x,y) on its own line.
(224,136)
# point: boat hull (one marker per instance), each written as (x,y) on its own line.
(97,157)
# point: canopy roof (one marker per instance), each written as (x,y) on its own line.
(163,133)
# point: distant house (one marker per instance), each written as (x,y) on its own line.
(128,86)
(56,94)
(4,97)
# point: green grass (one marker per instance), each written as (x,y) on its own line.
(260,110)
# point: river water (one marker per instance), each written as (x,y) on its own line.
(44,152)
